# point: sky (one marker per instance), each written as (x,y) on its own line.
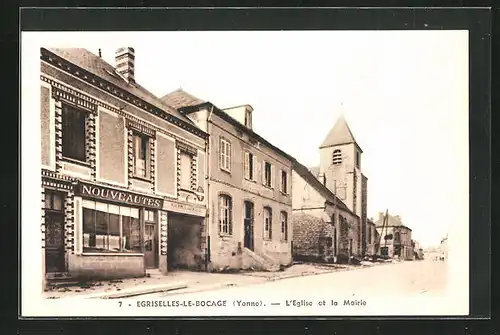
(404,95)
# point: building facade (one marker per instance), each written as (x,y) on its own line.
(340,171)
(123,175)
(249,188)
(324,228)
(395,238)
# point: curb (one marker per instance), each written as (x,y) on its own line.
(136,291)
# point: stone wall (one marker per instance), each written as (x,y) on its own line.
(106,266)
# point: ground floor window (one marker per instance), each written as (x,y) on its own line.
(268,223)
(110,228)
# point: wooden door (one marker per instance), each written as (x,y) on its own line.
(54,233)
(248,225)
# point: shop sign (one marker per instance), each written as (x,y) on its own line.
(184,208)
(104,193)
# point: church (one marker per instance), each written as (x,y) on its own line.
(330,201)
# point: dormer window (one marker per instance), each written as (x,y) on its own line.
(248,119)
(337,157)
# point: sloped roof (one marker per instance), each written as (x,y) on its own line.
(94,64)
(339,134)
(180,98)
(314,170)
(325,192)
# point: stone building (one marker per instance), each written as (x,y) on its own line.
(123,174)
(340,171)
(324,228)
(395,238)
(248,188)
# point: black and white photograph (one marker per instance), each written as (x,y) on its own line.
(243,173)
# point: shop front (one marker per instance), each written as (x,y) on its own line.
(116,232)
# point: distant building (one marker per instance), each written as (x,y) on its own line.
(395,238)
(443,248)
(340,172)
(324,228)
(248,188)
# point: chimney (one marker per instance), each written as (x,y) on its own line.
(124,63)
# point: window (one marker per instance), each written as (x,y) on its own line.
(369,237)
(141,155)
(73,133)
(110,228)
(185,169)
(225,214)
(358,159)
(284,182)
(268,223)
(249,166)
(397,237)
(225,154)
(337,157)
(248,122)
(284,226)
(268,177)
(332,220)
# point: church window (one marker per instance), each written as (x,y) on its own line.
(337,157)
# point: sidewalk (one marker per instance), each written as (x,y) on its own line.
(178,282)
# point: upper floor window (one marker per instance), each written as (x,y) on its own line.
(284,182)
(225,154)
(73,133)
(225,214)
(284,226)
(268,174)
(185,168)
(358,159)
(141,155)
(249,166)
(268,223)
(397,237)
(337,157)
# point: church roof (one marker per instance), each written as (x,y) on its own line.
(339,134)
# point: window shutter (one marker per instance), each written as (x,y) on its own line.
(254,166)
(264,172)
(246,159)
(228,156)
(272,176)
(219,152)
(230,217)
(220,214)
(270,225)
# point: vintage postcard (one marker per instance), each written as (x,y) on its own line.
(245,173)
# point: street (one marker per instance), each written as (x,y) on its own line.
(425,277)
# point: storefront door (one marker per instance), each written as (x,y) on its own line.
(54,233)
(248,224)
(150,240)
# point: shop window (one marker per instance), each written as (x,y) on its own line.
(73,133)
(337,157)
(284,226)
(225,214)
(141,155)
(268,223)
(225,154)
(110,228)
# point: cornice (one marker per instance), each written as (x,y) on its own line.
(96,81)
